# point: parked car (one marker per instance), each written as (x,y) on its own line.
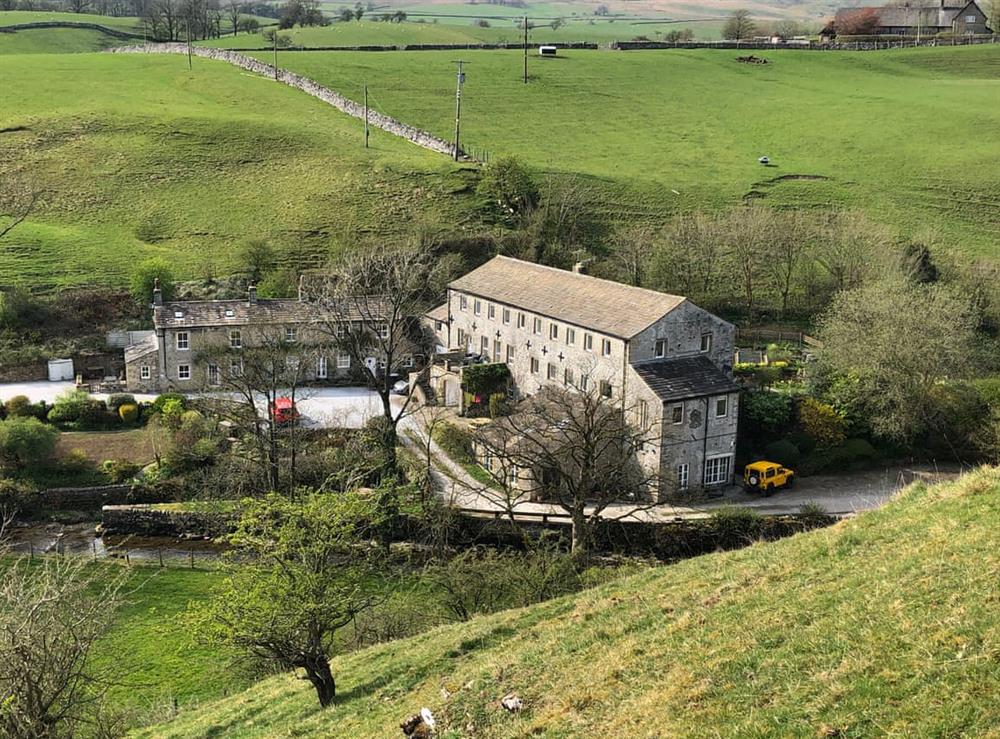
(402,387)
(284,412)
(766,477)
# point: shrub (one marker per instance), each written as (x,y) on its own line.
(75,460)
(69,406)
(120,470)
(18,407)
(456,442)
(783,452)
(117,400)
(988,389)
(858,450)
(822,422)
(26,441)
(162,400)
(498,405)
(172,414)
(94,414)
(128,413)
(802,440)
(764,413)
(508,186)
(144,277)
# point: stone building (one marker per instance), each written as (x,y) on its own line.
(919,18)
(668,361)
(178,354)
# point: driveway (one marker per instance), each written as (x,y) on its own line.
(49,391)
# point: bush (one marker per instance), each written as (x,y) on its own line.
(172,414)
(858,450)
(75,461)
(498,405)
(120,470)
(162,400)
(26,441)
(988,389)
(15,495)
(128,413)
(822,422)
(508,186)
(18,407)
(764,413)
(802,440)
(456,442)
(69,406)
(783,452)
(94,415)
(117,400)
(144,277)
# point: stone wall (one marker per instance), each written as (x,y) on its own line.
(306,85)
(95,497)
(34,372)
(150,520)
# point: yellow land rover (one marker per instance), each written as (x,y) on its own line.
(766,477)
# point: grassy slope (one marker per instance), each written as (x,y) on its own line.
(15,17)
(141,157)
(56,41)
(882,625)
(913,137)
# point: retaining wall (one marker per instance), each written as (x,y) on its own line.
(148,520)
(306,85)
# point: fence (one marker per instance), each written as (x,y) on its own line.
(745,336)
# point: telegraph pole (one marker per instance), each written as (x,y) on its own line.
(458,104)
(366,116)
(189,40)
(525,49)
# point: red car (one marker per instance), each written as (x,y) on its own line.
(283,411)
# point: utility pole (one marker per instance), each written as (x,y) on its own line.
(525,49)
(189,39)
(275,38)
(458,104)
(366,116)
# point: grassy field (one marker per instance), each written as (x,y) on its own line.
(140,157)
(884,625)
(133,445)
(56,41)
(912,137)
(15,17)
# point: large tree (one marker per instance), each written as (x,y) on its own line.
(898,341)
(305,572)
(739,26)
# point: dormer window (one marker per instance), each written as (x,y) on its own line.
(230,313)
(178,314)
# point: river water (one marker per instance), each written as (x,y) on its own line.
(81,539)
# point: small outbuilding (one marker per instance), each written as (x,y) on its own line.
(547,50)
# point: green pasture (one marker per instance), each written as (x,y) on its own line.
(56,41)
(912,137)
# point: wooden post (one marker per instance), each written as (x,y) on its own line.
(366,116)
(160,552)
(275,38)
(191,556)
(525,49)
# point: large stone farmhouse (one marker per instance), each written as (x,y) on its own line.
(921,18)
(666,360)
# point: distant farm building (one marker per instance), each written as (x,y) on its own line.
(909,19)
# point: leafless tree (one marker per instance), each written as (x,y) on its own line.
(631,247)
(789,242)
(235,8)
(689,261)
(575,449)
(851,249)
(739,26)
(373,302)
(747,236)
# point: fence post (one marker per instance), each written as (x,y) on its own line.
(127,560)
(160,552)
(93,546)
(191,556)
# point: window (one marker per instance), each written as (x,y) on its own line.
(491,310)
(706,342)
(605,388)
(321,372)
(230,313)
(291,334)
(570,335)
(461,337)
(407,360)
(537,326)
(553,331)
(144,372)
(661,348)
(717,470)
(463,302)
(383,331)
(213,375)
(584,382)
(605,347)
(520,320)
(381,363)
(970,19)
(184,372)
(236,368)
(183,341)
(588,342)
(677,415)
(178,314)
(235,339)
(552,372)
(497,348)
(721,407)
(567,376)
(477,306)
(343,329)
(683,476)
(642,414)
(510,353)
(534,366)
(506,315)
(343,360)
(484,346)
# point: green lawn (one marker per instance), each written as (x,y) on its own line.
(912,137)
(139,157)
(884,625)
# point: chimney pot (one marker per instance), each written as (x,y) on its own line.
(252,294)
(157,292)
(302,288)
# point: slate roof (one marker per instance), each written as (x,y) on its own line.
(685,377)
(199,313)
(929,14)
(605,306)
(439,314)
(141,348)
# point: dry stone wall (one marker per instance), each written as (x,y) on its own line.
(306,85)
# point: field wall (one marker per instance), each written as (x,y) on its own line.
(306,85)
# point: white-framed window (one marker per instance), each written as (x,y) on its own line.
(534,366)
(683,476)
(235,339)
(383,331)
(343,360)
(537,326)
(491,310)
(570,336)
(661,348)
(235,367)
(506,315)
(605,347)
(605,388)
(584,382)
(521,320)
(568,376)
(345,328)
(230,313)
(178,314)
(552,371)
(642,414)
(183,371)
(214,378)
(970,19)
(484,346)
(291,334)
(677,415)
(553,331)
(407,360)
(321,369)
(588,342)
(477,306)
(463,302)
(717,470)
(722,406)
(706,342)
(497,350)
(461,337)
(510,353)
(144,372)
(183,341)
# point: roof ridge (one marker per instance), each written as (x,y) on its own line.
(571,273)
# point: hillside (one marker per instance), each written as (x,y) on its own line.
(881,625)
(683,129)
(138,157)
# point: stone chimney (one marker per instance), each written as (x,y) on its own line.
(157,293)
(580,267)
(252,295)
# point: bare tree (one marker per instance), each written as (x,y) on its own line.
(690,260)
(851,249)
(578,450)
(373,303)
(747,235)
(631,247)
(739,26)
(235,9)
(789,240)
